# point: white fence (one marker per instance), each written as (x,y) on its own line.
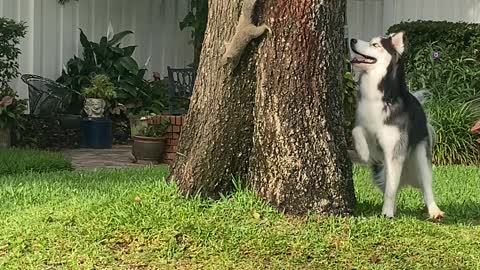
(53,35)
(368,18)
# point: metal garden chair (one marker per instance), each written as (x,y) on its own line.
(181,82)
(46,97)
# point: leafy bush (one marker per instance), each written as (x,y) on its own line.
(11,107)
(109,58)
(16,161)
(10,34)
(444,58)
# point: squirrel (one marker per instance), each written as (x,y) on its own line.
(245,32)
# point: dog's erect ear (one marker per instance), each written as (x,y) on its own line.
(398,42)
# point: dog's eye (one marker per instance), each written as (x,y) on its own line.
(376,45)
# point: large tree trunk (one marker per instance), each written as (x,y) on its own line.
(299,159)
(216,139)
(292,142)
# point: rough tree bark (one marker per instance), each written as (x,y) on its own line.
(216,139)
(277,120)
(299,159)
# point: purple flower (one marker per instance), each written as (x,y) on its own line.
(436,56)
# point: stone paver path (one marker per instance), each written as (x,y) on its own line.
(90,159)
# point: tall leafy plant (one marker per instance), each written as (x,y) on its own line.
(10,34)
(11,107)
(110,58)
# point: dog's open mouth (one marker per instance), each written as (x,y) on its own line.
(362,59)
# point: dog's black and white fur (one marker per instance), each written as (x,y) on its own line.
(391,133)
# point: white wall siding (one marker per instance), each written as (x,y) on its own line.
(368,18)
(53,35)
(439,10)
(364,18)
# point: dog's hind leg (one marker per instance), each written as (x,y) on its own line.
(378,175)
(424,167)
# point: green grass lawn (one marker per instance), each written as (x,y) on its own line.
(15,161)
(132,219)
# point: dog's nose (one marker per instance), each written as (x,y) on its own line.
(353,41)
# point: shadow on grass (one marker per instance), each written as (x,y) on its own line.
(467,213)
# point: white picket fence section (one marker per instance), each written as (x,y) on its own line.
(53,35)
(369,18)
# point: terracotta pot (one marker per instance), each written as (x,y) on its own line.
(5,138)
(148,148)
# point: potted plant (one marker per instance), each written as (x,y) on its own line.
(96,129)
(11,110)
(155,104)
(97,95)
(137,124)
(149,143)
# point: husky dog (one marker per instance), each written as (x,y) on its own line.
(391,132)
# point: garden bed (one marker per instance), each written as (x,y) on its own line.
(61,133)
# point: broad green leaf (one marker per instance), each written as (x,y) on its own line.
(118,37)
(103,47)
(129,64)
(128,51)
(84,40)
(117,50)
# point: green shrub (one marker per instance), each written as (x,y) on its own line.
(10,34)
(444,58)
(16,161)
(11,107)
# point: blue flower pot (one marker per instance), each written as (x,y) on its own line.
(96,133)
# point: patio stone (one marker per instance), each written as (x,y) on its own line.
(91,159)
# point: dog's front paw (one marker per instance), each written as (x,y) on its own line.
(386,216)
(364,154)
(435,213)
(360,143)
(388,211)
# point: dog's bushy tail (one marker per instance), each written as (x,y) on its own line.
(422,95)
